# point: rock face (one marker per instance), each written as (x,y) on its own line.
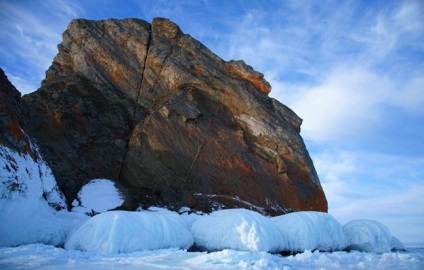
(11,132)
(156,111)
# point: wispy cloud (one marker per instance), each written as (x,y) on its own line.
(382,187)
(32,31)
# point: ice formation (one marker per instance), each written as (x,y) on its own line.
(368,235)
(310,231)
(238,229)
(123,232)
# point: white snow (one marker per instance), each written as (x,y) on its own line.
(24,222)
(27,188)
(238,229)
(121,232)
(23,177)
(188,218)
(39,256)
(310,230)
(368,235)
(98,195)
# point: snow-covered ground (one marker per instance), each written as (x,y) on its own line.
(38,256)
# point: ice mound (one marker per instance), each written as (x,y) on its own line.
(98,196)
(310,231)
(396,244)
(123,232)
(368,235)
(238,229)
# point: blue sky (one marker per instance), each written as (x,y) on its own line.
(353,70)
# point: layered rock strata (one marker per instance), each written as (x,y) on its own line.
(156,111)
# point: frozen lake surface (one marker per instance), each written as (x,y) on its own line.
(38,256)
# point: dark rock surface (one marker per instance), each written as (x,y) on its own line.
(156,111)
(12,134)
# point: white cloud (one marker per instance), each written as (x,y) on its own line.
(350,102)
(67,8)
(374,186)
(339,76)
(23,85)
(345,104)
(409,16)
(30,34)
(410,96)
(389,30)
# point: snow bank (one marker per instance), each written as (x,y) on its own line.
(98,195)
(22,177)
(121,232)
(310,231)
(25,222)
(27,190)
(368,235)
(238,229)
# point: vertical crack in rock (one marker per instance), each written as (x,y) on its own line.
(203,140)
(136,104)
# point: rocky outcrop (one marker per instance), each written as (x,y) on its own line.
(23,173)
(156,111)
(11,132)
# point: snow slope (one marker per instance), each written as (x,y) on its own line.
(310,231)
(123,232)
(28,199)
(238,229)
(22,177)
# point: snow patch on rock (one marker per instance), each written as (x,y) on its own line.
(98,196)
(22,176)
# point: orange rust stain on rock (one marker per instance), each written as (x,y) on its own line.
(57,117)
(13,128)
(243,166)
(256,79)
(77,115)
(199,70)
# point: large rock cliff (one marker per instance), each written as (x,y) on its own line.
(156,111)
